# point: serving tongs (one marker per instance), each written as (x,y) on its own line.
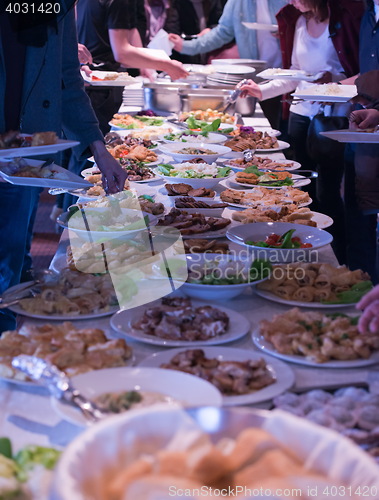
(58,384)
(31,288)
(232,98)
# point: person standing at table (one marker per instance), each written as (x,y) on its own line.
(41,90)
(251,44)
(107,28)
(317,36)
(192,18)
(361,160)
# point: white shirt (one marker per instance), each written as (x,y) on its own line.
(312,55)
(376,12)
(268,45)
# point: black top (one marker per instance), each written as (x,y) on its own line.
(14,58)
(95,18)
(369,41)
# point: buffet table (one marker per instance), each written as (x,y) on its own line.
(26,414)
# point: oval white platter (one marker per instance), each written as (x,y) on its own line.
(284,374)
(122,322)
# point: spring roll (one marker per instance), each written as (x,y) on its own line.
(344,279)
(304,294)
(322,294)
(307,279)
(322,281)
(285,291)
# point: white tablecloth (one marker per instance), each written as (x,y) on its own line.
(26,415)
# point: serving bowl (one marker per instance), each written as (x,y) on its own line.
(173,148)
(98,455)
(181,389)
(227,265)
(204,182)
(258,231)
(212,138)
(88,225)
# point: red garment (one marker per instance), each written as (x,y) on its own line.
(344,24)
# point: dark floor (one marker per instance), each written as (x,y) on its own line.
(45,238)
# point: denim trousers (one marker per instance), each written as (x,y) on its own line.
(17,208)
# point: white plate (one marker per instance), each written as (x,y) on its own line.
(314,305)
(213,138)
(268,348)
(323,221)
(208,235)
(281,145)
(207,212)
(208,183)
(129,80)
(352,136)
(298,181)
(94,170)
(289,165)
(186,390)
(239,205)
(234,69)
(260,26)
(56,317)
(163,192)
(239,326)
(288,74)
(284,375)
(249,62)
(73,181)
(60,145)
(317,93)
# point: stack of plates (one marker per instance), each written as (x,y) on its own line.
(230,74)
(133,95)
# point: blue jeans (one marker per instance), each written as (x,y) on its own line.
(17,204)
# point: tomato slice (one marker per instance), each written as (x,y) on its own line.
(306,245)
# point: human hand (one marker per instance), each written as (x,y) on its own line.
(369,321)
(84,54)
(113,176)
(175,69)
(148,73)
(177,41)
(204,31)
(327,77)
(250,88)
(363,119)
(86,69)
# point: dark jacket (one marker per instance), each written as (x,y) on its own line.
(344,23)
(369,41)
(53,91)
(367,155)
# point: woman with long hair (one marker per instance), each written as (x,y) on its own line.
(317,36)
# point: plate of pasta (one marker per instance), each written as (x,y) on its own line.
(74,295)
(315,285)
(315,338)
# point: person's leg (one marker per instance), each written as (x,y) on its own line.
(16,208)
(28,264)
(105,102)
(298,131)
(329,199)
